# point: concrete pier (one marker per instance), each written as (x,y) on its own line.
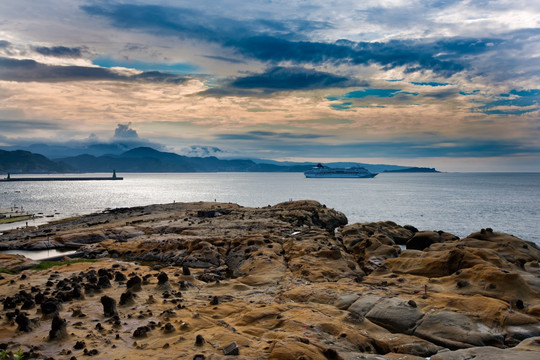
(9,178)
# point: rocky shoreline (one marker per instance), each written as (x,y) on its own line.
(289,281)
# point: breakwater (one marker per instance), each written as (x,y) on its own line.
(77,178)
(61,178)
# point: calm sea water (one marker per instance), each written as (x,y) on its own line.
(460,203)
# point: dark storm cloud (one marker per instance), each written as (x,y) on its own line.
(30,70)
(270,135)
(4,44)
(59,51)
(279,79)
(273,42)
(194,24)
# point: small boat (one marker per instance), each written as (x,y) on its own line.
(321,171)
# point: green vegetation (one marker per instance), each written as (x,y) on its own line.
(9,220)
(44,265)
(5,354)
(6,271)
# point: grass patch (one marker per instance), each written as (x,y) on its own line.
(6,271)
(44,265)
(9,220)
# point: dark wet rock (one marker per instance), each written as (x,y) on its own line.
(127,298)
(141,331)
(58,328)
(199,340)
(92,352)
(134,284)
(411,228)
(50,307)
(119,276)
(105,272)
(168,328)
(331,354)
(9,303)
(162,278)
(79,345)
(231,349)
(28,304)
(109,306)
(104,282)
(424,239)
(24,323)
(39,297)
(199,357)
(214,301)
(186,271)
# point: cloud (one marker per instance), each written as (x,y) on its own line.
(404,148)
(225,59)
(516,102)
(175,68)
(429,83)
(59,51)
(125,138)
(282,41)
(370,93)
(279,79)
(270,135)
(123,131)
(31,70)
(20,126)
(201,151)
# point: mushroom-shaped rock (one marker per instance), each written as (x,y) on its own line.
(58,328)
(109,306)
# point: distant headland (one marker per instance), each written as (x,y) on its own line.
(146,159)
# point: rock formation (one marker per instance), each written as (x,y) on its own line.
(290,281)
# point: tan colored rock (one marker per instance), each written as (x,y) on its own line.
(15,262)
(278,282)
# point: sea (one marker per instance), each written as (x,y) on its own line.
(459,203)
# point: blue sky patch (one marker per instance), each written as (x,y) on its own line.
(366,93)
(430,83)
(529,99)
(178,68)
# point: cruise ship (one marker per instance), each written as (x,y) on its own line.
(321,171)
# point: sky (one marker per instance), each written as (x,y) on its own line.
(444,83)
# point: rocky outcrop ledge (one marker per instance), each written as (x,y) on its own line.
(290,281)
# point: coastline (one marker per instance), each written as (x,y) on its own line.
(280,282)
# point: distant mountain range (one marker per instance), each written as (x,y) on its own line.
(26,162)
(146,159)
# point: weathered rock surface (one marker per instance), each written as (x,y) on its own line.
(14,262)
(288,281)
